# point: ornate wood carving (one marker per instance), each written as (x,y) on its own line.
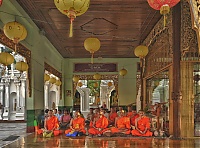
(189,39)
(56,73)
(22,50)
(159,42)
(195,14)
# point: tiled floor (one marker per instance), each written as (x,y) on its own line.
(8,129)
(35,141)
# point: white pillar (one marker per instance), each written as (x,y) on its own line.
(1,100)
(86,98)
(6,113)
(46,95)
(17,84)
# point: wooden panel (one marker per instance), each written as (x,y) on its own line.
(120,26)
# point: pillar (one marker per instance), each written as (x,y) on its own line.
(6,113)
(187,97)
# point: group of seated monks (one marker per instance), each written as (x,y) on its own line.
(100,123)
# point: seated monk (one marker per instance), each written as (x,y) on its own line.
(133,118)
(77,126)
(99,124)
(112,116)
(122,125)
(129,113)
(142,126)
(51,125)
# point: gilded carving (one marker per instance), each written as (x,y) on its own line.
(159,42)
(189,44)
(195,14)
(22,50)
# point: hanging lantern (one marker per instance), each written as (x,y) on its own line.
(95,84)
(97,76)
(80,84)
(141,51)
(92,45)
(15,31)
(75,79)
(52,80)
(46,77)
(1,1)
(123,72)
(58,82)
(72,8)
(163,5)
(21,66)
(6,58)
(109,84)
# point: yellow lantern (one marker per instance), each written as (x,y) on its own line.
(58,82)
(21,66)
(141,51)
(46,77)
(52,80)
(15,31)
(80,84)
(75,79)
(109,84)
(96,84)
(6,58)
(123,72)
(97,76)
(92,45)
(72,8)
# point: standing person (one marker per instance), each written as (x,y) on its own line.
(142,126)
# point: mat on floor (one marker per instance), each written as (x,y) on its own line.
(11,138)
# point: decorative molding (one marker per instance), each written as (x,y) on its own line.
(22,50)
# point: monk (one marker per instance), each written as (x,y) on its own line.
(122,125)
(77,126)
(134,116)
(129,113)
(51,125)
(99,124)
(112,116)
(142,126)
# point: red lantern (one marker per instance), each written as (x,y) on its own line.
(163,5)
(1,1)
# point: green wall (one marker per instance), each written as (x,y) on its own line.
(127,85)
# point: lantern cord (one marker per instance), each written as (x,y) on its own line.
(71,28)
(92,57)
(165,20)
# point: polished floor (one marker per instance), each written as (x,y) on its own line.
(35,141)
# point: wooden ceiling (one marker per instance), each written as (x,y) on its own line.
(120,25)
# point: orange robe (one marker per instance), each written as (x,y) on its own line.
(112,117)
(142,124)
(77,124)
(129,114)
(100,123)
(122,123)
(133,119)
(51,123)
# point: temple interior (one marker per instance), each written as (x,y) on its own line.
(98,73)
